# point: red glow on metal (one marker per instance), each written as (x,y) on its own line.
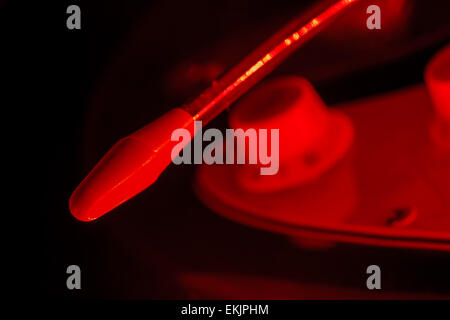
(437,79)
(278,49)
(395,198)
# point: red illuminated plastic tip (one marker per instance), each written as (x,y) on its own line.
(130,166)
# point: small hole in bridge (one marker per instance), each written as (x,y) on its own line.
(402,216)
